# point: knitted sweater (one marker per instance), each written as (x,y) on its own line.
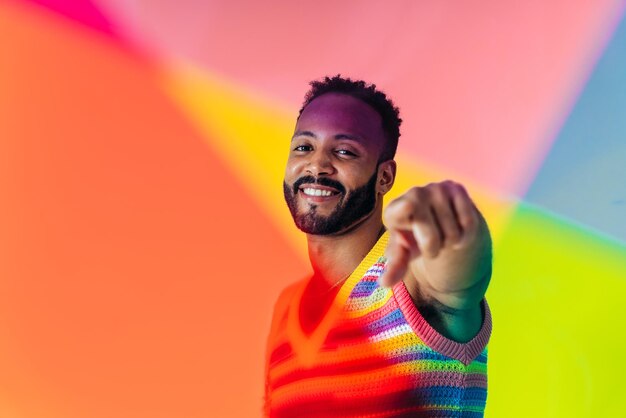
(372,355)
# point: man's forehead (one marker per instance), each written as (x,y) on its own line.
(341,112)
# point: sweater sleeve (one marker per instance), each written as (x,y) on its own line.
(464,352)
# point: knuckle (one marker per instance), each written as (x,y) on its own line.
(407,207)
(451,185)
(416,193)
(439,193)
(403,207)
(397,210)
(469,220)
(459,188)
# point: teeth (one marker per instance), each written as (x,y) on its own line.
(316,192)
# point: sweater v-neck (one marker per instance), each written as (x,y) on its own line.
(307,345)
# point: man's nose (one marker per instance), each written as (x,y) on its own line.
(320,164)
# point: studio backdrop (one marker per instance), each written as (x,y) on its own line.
(143,232)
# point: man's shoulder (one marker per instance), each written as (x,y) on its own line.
(281,307)
(286,295)
(286,298)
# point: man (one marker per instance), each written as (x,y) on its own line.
(393,320)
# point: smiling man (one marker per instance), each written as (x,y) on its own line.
(392,322)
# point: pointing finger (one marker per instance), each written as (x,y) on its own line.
(400,249)
(413,213)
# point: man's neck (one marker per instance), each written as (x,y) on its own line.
(334,258)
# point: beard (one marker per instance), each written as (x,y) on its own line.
(351,207)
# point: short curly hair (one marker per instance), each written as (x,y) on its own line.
(389,113)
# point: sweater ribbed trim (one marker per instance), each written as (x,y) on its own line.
(464,352)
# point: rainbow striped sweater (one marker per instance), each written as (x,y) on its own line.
(372,355)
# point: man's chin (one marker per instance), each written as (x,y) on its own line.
(321,212)
(317,225)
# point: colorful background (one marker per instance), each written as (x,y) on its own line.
(143,234)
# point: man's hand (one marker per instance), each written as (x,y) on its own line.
(439,239)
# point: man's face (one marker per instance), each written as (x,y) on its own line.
(332,171)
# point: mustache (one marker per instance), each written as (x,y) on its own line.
(322,181)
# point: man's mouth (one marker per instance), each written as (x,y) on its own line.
(309,191)
(310,186)
(318,191)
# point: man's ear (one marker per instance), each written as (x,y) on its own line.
(386,176)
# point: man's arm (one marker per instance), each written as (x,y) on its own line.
(440,246)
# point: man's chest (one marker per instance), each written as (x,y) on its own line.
(368,359)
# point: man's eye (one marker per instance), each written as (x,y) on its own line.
(302,148)
(346,153)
